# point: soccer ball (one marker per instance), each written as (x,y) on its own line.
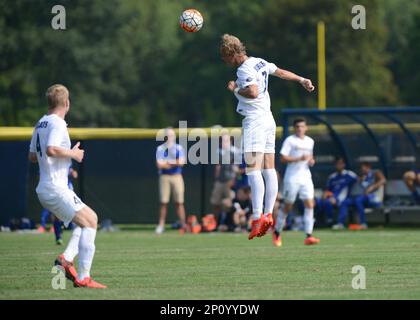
(191,20)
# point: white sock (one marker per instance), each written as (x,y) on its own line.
(73,247)
(86,252)
(271,189)
(256,182)
(280,221)
(308,218)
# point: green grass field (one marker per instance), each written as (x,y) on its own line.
(137,264)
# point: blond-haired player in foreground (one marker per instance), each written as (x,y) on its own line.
(50,147)
(259,127)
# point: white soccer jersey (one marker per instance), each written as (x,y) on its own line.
(296,147)
(51,130)
(254,71)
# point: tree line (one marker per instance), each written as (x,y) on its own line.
(128,64)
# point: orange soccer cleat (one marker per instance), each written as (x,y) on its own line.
(266,223)
(88,282)
(68,266)
(311,240)
(41,229)
(255,227)
(277,239)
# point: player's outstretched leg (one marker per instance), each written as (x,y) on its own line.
(257,193)
(271,189)
(279,225)
(66,259)
(308,218)
(87,219)
(254,164)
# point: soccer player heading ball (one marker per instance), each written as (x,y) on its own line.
(259,127)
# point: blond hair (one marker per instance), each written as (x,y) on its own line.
(57,95)
(231,46)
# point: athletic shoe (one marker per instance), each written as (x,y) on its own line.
(88,282)
(41,229)
(266,223)
(277,239)
(338,226)
(159,230)
(181,230)
(68,266)
(255,226)
(355,226)
(59,242)
(311,240)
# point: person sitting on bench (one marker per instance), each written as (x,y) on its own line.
(412,181)
(372,184)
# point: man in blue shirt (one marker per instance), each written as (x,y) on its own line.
(412,181)
(337,191)
(170,158)
(371,184)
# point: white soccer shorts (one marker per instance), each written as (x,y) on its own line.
(62,202)
(293,188)
(259,133)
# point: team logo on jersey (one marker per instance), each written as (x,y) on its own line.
(76,200)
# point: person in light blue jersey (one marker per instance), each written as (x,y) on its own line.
(412,181)
(170,158)
(371,183)
(337,190)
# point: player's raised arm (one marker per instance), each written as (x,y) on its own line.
(290,76)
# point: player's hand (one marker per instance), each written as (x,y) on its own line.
(231,85)
(78,154)
(311,162)
(74,174)
(307,84)
(305,157)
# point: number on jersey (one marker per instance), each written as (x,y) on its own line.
(38,145)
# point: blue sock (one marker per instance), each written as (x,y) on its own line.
(44,217)
(57,229)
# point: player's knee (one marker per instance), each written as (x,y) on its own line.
(94,220)
(90,218)
(310,205)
